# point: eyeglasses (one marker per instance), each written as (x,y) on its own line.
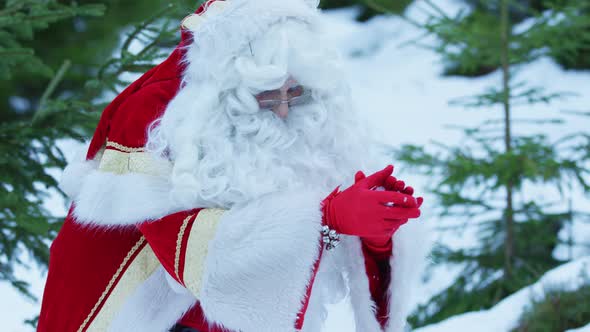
(296,95)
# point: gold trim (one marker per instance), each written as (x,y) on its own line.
(142,267)
(202,232)
(111,282)
(114,161)
(118,162)
(124,148)
(191,22)
(179,245)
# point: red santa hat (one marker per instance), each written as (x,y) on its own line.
(123,127)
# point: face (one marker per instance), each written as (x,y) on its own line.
(280,100)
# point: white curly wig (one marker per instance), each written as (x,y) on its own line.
(224,149)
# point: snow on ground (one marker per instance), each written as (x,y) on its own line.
(581,329)
(397,86)
(505,315)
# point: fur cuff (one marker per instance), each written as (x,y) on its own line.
(406,266)
(407,263)
(109,199)
(144,311)
(260,262)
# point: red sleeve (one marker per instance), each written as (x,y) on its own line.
(168,239)
(379,275)
(182,241)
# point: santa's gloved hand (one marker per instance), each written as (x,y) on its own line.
(382,243)
(362,211)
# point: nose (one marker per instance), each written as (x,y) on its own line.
(282,110)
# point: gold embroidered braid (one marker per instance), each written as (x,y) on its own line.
(197,248)
(179,245)
(124,148)
(117,162)
(111,283)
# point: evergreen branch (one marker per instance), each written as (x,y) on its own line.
(13,52)
(126,57)
(42,110)
(573,112)
(517,247)
(412,22)
(437,9)
(566,139)
(574,243)
(525,120)
(104,67)
(378,7)
(15,7)
(143,25)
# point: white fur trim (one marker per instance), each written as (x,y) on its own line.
(360,295)
(406,266)
(76,170)
(260,262)
(175,286)
(72,176)
(215,10)
(154,307)
(329,288)
(109,199)
(258,268)
(407,263)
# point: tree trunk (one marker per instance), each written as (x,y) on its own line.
(509,212)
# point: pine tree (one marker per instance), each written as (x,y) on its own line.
(85,41)
(557,310)
(27,151)
(481,182)
(68,107)
(574,56)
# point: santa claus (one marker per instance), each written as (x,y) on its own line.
(219,192)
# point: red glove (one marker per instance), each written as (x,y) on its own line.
(382,244)
(393,184)
(362,211)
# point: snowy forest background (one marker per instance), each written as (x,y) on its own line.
(483,105)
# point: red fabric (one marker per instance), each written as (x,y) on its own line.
(138,105)
(377,252)
(195,319)
(303,311)
(377,258)
(380,252)
(83,259)
(360,210)
(142,102)
(202,8)
(394,185)
(162,236)
(82,262)
(379,274)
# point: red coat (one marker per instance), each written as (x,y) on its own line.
(88,270)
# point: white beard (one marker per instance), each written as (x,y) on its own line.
(226,150)
(221,162)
